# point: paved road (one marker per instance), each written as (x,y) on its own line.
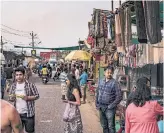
(50,108)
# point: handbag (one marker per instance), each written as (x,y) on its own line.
(69,113)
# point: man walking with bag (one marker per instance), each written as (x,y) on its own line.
(24,94)
(107,98)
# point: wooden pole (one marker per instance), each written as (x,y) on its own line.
(112,5)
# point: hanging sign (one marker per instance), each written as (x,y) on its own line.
(33,52)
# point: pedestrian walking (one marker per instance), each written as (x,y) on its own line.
(107,98)
(141,114)
(72,113)
(63,79)
(83,85)
(77,74)
(28,72)
(23,94)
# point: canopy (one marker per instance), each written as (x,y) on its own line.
(78,55)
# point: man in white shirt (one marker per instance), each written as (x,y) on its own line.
(77,73)
(23,94)
(63,79)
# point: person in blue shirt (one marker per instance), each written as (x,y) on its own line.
(40,69)
(83,85)
(160,124)
(108,96)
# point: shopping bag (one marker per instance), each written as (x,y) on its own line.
(69,113)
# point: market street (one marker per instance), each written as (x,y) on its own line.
(50,108)
(82,67)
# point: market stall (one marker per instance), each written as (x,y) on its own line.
(113,42)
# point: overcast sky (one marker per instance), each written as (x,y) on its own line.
(57,23)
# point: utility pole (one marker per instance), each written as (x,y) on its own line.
(120,2)
(32,35)
(112,5)
(2,43)
(79,44)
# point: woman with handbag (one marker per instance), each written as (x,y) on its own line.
(72,115)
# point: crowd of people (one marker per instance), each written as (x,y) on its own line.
(141,113)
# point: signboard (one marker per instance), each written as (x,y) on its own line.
(33,52)
(48,55)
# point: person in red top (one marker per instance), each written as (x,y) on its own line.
(142,112)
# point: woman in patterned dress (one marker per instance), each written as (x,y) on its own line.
(73,96)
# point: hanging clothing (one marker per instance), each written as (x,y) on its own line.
(156,55)
(100,42)
(152,17)
(110,24)
(140,22)
(105,28)
(101,33)
(109,28)
(97,23)
(91,28)
(154,75)
(142,55)
(117,31)
(150,54)
(128,30)
(122,23)
(160,75)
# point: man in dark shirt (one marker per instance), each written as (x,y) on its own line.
(9,72)
(108,97)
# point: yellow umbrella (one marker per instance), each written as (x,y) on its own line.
(78,55)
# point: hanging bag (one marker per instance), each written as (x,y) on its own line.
(69,113)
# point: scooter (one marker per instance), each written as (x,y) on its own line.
(45,79)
